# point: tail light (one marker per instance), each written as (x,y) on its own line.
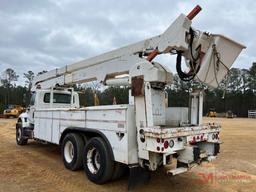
(166,144)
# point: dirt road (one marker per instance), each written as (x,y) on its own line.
(38,167)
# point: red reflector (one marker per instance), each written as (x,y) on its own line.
(166,144)
(193,141)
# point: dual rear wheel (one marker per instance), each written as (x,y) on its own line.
(72,151)
(93,155)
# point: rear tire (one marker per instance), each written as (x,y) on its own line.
(98,164)
(72,151)
(20,140)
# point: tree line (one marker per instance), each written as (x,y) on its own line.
(237,92)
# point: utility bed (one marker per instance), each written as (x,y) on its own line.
(53,122)
(113,121)
(118,123)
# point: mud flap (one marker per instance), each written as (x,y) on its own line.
(138,176)
(196,153)
(216,149)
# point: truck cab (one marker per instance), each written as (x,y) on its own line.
(50,99)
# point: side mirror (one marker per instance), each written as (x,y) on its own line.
(28,109)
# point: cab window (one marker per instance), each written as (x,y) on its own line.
(58,98)
(47,98)
(61,98)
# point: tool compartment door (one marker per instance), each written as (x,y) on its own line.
(43,125)
(55,127)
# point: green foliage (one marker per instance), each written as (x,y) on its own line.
(8,79)
(28,78)
(86,98)
(237,92)
(252,77)
(121,95)
(9,76)
(13,95)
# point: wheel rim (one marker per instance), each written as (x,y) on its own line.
(93,160)
(69,151)
(19,134)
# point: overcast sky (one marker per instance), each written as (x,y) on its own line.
(46,34)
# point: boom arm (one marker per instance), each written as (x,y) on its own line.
(179,38)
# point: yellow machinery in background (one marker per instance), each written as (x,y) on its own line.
(230,114)
(212,113)
(13,111)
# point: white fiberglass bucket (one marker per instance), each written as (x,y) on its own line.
(218,60)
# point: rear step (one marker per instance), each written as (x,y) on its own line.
(177,171)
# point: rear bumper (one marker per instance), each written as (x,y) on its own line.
(168,132)
(172,140)
(190,145)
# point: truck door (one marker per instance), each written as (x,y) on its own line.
(31,108)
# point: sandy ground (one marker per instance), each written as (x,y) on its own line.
(38,167)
